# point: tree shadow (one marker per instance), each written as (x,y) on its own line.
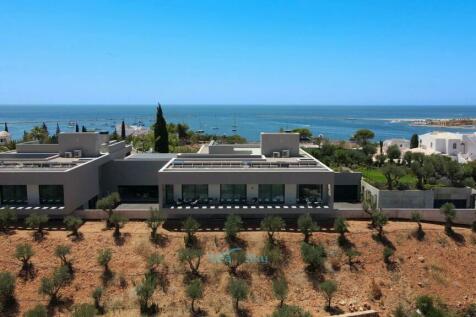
(7,232)
(39,236)
(344,243)
(76,238)
(316,277)
(150,311)
(334,310)
(237,242)
(244,275)
(189,276)
(458,238)
(199,312)
(121,239)
(162,240)
(242,312)
(419,234)
(106,277)
(11,308)
(60,305)
(383,240)
(27,272)
(391,266)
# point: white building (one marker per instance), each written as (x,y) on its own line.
(403,144)
(458,146)
(4,138)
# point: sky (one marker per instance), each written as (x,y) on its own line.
(335,52)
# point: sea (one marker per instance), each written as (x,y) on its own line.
(332,122)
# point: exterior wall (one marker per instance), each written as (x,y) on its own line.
(35,147)
(415,198)
(130,172)
(347,178)
(277,142)
(88,142)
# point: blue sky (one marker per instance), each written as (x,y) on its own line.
(381,52)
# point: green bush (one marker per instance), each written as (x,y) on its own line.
(7,288)
(84,310)
(290,311)
(7,217)
(38,311)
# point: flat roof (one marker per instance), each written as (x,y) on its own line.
(151,156)
(13,161)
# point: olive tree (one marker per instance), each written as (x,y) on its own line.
(448,210)
(154,260)
(7,289)
(190,226)
(107,204)
(7,217)
(233,225)
(156,219)
(379,220)
(238,289)
(392,174)
(62,252)
(97,295)
(234,259)
(73,223)
(328,288)
(393,153)
(192,257)
(84,310)
(104,257)
(313,255)
(37,221)
(194,292)
(271,224)
(290,311)
(307,226)
(145,290)
(388,252)
(23,253)
(280,290)
(37,311)
(117,221)
(50,286)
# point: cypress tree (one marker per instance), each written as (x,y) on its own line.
(58,131)
(161,134)
(77,127)
(6,127)
(414,141)
(45,128)
(114,135)
(83,129)
(123,130)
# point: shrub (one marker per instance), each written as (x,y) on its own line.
(7,217)
(233,225)
(194,292)
(388,252)
(448,210)
(38,311)
(313,255)
(156,219)
(50,286)
(307,226)
(23,253)
(273,254)
(340,226)
(234,259)
(192,256)
(238,290)
(153,262)
(7,288)
(73,223)
(290,311)
(84,310)
(37,221)
(118,221)
(145,291)
(379,220)
(104,257)
(280,290)
(271,224)
(190,226)
(62,251)
(329,288)
(97,295)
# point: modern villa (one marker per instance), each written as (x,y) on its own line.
(273,176)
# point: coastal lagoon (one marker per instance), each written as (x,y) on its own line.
(333,122)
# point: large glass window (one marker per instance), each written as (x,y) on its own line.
(169,194)
(139,194)
(194,192)
(233,192)
(271,193)
(51,195)
(13,194)
(308,192)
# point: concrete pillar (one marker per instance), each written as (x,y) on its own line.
(177,191)
(251,191)
(290,193)
(33,195)
(214,191)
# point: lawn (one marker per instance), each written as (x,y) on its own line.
(376,178)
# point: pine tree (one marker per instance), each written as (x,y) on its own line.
(123,130)
(161,134)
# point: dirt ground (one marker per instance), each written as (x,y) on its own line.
(437,265)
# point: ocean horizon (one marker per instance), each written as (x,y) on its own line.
(332,121)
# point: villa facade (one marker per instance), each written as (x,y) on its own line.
(275,175)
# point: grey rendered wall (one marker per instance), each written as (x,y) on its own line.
(276,142)
(37,148)
(347,178)
(88,142)
(399,198)
(129,172)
